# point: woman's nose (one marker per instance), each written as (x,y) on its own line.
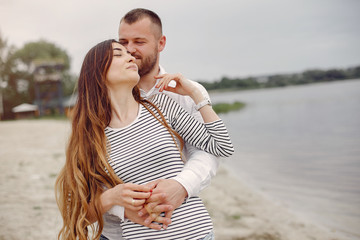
(131,58)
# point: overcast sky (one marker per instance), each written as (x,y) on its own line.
(206,39)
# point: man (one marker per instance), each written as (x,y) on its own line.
(140,31)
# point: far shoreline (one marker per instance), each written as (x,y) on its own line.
(225,90)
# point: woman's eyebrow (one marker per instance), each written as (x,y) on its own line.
(117,49)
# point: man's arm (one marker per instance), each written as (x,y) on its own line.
(198,171)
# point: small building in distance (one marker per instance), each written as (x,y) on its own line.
(48,86)
(25,110)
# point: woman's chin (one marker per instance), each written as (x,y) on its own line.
(136,78)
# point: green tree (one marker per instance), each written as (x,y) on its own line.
(68,83)
(354,72)
(277,81)
(19,66)
(313,76)
(41,50)
(7,77)
(246,83)
(226,83)
(335,74)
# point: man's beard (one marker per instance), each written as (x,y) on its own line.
(147,64)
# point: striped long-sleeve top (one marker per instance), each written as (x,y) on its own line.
(145,151)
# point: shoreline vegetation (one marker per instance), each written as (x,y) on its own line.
(227,107)
(282,80)
(33,152)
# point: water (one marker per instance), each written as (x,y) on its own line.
(301,145)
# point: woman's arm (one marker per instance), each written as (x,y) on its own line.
(211,136)
(186,88)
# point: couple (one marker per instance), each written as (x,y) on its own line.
(124,167)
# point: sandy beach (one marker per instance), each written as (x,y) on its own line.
(33,151)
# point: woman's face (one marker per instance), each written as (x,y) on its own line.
(122,68)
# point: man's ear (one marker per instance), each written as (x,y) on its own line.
(162,43)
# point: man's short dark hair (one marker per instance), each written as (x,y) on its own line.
(140,13)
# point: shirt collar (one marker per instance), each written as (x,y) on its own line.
(153,90)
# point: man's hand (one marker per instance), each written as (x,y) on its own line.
(168,192)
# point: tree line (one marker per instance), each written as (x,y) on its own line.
(17,72)
(282,80)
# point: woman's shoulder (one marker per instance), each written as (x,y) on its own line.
(160,98)
(165,104)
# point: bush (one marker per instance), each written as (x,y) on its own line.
(227,107)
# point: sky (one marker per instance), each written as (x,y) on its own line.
(206,40)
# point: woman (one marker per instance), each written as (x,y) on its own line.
(119,142)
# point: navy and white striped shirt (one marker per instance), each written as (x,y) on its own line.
(145,151)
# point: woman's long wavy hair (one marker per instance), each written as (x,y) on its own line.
(87,172)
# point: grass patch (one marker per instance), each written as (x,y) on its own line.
(56,156)
(236,217)
(227,107)
(52,175)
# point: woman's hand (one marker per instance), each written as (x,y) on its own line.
(129,195)
(183,85)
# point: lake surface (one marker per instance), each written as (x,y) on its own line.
(301,145)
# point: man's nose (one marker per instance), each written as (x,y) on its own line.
(131,48)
